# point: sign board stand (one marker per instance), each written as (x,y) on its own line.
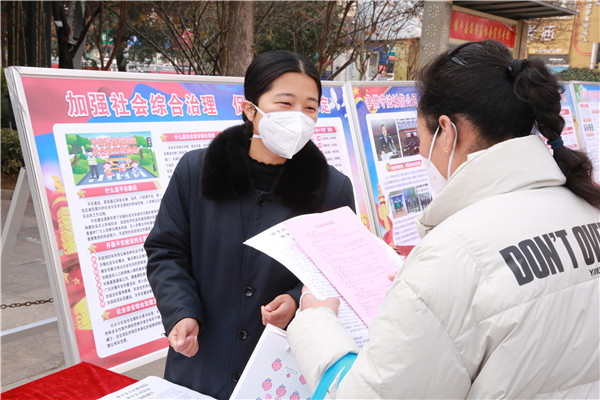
(15,215)
(37,191)
(12,225)
(99,150)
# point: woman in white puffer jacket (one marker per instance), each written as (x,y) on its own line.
(500,299)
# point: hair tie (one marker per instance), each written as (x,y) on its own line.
(556,144)
(516,67)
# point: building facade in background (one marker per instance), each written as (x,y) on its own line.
(586,32)
(549,39)
(567,41)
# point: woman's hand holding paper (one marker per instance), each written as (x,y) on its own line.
(310,301)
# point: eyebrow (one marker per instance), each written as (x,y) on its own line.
(285,94)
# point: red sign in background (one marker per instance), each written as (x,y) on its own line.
(474,28)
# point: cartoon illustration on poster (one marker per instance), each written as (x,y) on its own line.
(119,156)
(399,187)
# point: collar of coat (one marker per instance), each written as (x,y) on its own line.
(226,173)
(517,164)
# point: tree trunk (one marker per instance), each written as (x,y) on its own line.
(28,35)
(68,44)
(121,60)
(118,44)
(63,32)
(78,19)
(239,49)
(76,152)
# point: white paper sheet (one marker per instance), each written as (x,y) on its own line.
(154,387)
(278,243)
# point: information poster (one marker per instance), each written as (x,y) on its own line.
(568,112)
(334,136)
(587,99)
(397,180)
(104,147)
(100,148)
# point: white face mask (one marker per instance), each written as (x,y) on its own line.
(285,132)
(436,179)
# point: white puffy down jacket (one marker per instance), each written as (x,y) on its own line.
(499,300)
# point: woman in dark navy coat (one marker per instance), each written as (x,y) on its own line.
(214,293)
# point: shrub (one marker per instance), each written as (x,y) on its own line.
(12,156)
(579,74)
(5,113)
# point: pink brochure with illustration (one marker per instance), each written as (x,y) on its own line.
(348,255)
(272,371)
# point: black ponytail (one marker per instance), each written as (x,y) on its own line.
(503,98)
(539,89)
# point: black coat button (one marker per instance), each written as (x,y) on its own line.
(242,335)
(248,291)
(236,377)
(262,200)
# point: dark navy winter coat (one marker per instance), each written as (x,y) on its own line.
(198,266)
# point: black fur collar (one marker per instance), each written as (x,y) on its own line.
(226,172)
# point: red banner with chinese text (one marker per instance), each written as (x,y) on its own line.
(474,28)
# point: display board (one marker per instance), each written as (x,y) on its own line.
(570,133)
(336,137)
(587,103)
(396,180)
(99,149)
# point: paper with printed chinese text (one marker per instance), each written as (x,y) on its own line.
(278,243)
(348,255)
(153,387)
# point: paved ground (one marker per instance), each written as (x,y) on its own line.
(25,278)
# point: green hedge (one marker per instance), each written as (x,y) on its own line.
(12,156)
(579,74)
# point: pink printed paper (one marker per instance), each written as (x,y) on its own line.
(348,255)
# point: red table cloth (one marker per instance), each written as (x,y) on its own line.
(82,381)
